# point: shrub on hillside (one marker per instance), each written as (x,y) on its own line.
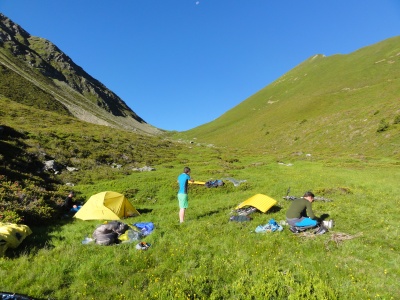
(24,202)
(383,126)
(396,119)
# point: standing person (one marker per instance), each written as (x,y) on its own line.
(300,212)
(183,180)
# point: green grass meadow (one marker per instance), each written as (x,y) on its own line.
(210,257)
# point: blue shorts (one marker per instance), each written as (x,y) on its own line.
(302,222)
(183,200)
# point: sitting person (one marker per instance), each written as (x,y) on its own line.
(70,204)
(300,213)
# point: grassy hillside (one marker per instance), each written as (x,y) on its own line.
(29,137)
(210,257)
(343,104)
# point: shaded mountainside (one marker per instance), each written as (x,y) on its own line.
(342,104)
(33,71)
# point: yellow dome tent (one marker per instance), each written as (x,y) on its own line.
(106,206)
(259,201)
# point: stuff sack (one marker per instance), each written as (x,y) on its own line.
(145,227)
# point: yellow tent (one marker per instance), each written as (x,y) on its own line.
(106,206)
(12,235)
(259,201)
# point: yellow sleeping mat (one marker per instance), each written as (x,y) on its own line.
(259,201)
(11,235)
(197,182)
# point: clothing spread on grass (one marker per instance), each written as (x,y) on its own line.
(271,226)
(183,183)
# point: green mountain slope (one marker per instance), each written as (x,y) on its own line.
(46,78)
(342,104)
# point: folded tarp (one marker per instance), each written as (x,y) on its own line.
(259,201)
(12,235)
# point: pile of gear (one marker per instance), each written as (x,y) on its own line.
(116,232)
(271,226)
(107,234)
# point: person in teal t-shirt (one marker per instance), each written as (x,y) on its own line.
(183,199)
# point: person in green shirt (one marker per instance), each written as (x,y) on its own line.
(300,213)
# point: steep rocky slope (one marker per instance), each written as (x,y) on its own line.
(45,77)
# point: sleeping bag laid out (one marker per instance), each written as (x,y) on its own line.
(12,235)
(107,234)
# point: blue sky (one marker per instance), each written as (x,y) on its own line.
(183,63)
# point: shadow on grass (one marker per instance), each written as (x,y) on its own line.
(274,209)
(323,217)
(39,239)
(208,214)
(143,211)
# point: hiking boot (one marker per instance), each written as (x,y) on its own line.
(293,229)
(321,230)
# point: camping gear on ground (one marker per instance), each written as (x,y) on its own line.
(234,181)
(107,234)
(133,234)
(12,235)
(318,229)
(291,198)
(145,227)
(328,224)
(259,201)
(240,218)
(14,296)
(106,206)
(214,183)
(143,246)
(321,229)
(87,240)
(245,211)
(271,226)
